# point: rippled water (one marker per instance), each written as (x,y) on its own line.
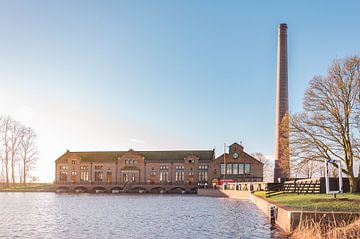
(50,215)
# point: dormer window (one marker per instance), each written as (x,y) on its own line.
(73,161)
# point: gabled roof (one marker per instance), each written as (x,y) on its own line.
(155,156)
(245,154)
(176,155)
(106,156)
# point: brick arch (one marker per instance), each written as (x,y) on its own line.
(157,189)
(81,188)
(98,188)
(177,189)
(138,189)
(117,188)
(62,189)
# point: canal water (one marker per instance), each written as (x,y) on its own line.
(51,215)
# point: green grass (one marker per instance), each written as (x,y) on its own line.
(27,187)
(317,202)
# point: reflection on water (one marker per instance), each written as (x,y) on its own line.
(50,215)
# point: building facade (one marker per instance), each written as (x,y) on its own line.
(178,167)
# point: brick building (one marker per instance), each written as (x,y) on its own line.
(178,167)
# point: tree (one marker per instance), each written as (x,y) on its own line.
(268,168)
(28,152)
(5,126)
(16,133)
(329,126)
(17,150)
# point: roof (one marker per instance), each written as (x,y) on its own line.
(244,153)
(155,156)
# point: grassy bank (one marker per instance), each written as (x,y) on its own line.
(28,187)
(310,229)
(317,202)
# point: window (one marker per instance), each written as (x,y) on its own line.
(153,172)
(164,167)
(191,160)
(63,167)
(179,167)
(125,177)
(98,176)
(84,176)
(203,176)
(130,161)
(133,177)
(179,173)
(63,176)
(98,167)
(203,167)
(229,169)
(164,176)
(179,176)
(241,168)
(82,167)
(73,176)
(73,161)
(235,168)
(247,168)
(222,168)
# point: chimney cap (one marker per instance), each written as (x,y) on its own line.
(283,25)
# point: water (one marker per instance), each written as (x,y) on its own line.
(50,215)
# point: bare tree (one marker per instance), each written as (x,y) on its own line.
(17,149)
(28,152)
(329,127)
(268,168)
(5,142)
(308,169)
(16,133)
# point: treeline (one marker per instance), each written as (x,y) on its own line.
(18,152)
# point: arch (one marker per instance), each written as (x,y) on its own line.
(62,189)
(81,189)
(157,190)
(177,189)
(139,189)
(193,190)
(99,189)
(117,188)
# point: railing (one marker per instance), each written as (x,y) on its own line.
(245,186)
(274,189)
(303,186)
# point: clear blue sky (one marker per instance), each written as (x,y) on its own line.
(110,75)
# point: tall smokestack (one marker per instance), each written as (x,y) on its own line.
(282,163)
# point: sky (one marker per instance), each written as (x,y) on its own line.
(150,75)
